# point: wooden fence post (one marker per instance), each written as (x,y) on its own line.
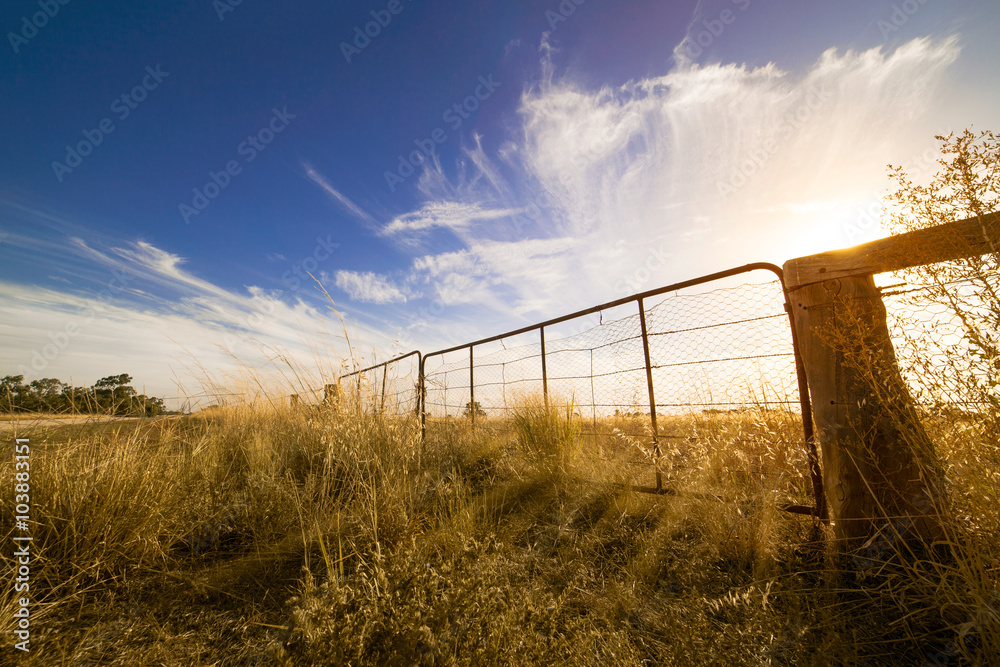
(872,441)
(878,462)
(331,395)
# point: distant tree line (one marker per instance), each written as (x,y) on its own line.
(112,395)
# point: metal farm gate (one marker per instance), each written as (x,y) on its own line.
(639,367)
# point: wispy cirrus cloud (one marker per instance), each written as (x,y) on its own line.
(342,200)
(135,308)
(452,215)
(710,166)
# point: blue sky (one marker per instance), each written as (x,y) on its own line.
(170,172)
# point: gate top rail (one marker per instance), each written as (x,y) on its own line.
(719,275)
(746,268)
(386,363)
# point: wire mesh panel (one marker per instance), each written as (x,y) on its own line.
(390,388)
(944,328)
(506,372)
(447,385)
(723,349)
(703,366)
(601,371)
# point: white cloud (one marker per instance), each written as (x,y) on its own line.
(452,215)
(604,180)
(369,287)
(537,267)
(712,166)
(170,329)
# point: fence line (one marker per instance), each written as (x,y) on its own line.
(648,359)
(395,392)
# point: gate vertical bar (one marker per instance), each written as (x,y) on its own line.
(385,372)
(422,402)
(472,389)
(805,404)
(503,388)
(652,400)
(593,394)
(420,389)
(545,375)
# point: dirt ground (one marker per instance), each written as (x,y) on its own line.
(25,423)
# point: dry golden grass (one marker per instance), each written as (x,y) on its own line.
(263,535)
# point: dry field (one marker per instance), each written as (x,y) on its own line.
(259,535)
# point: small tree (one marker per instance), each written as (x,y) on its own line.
(952,361)
(12,391)
(47,394)
(473,408)
(964,372)
(114,394)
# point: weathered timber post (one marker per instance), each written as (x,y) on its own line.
(294,401)
(331,395)
(872,441)
(879,464)
(421,392)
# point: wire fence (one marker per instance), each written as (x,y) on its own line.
(945,332)
(389,388)
(651,370)
(709,351)
(654,369)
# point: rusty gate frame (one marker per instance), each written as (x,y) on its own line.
(819,510)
